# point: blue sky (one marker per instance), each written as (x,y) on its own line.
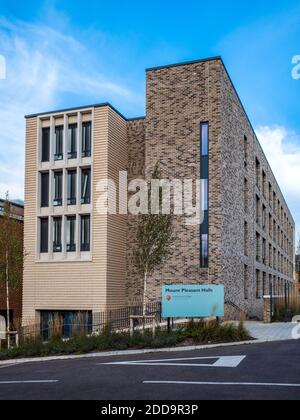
(66,53)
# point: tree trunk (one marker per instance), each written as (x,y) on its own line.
(145,291)
(7,303)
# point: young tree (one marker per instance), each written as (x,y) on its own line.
(154,240)
(11,256)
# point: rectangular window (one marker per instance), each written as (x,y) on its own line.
(72,141)
(71,233)
(86,186)
(57,223)
(246,195)
(204,201)
(246,238)
(258,254)
(86,139)
(204,139)
(45,144)
(265,284)
(45,189)
(44,229)
(204,174)
(72,181)
(85,234)
(264,184)
(58,185)
(245,151)
(59,143)
(246,279)
(204,251)
(264,217)
(264,251)
(258,284)
(257,173)
(258,210)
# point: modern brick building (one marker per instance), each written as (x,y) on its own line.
(196,128)
(17,212)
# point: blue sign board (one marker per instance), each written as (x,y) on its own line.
(193,301)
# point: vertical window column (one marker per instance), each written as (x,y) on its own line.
(204,174)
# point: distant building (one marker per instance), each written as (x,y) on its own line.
(297,270)
(17,212)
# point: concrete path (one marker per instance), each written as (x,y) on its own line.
(272,332)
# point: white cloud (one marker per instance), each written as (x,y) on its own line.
(282,148)
(45,67)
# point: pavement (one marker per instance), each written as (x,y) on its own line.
(271,332)
(268,371)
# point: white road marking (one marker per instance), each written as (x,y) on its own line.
(221,361)
(223,384)
(28,382)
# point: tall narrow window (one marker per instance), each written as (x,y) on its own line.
(85,234)
(264,184)
(44,235)
(72,180)
(204,172)
(246,204)
(57,246)
(45,189)
(264,251)
(245,151)
(258,210)
(59,143)
(87,139)
(71,233)
(58,178)
(258,284)
(72,141)
(246,280)
(264,217)
(246,238)
(45,144)
(257,164)
(265,284)
(86,186)
(258,253)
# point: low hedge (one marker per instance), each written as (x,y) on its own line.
(193,333)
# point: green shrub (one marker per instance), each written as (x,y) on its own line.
(200,332)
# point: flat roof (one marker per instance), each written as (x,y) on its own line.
(60,111)
(186,63)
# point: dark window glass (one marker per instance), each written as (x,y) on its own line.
(86,139)
(204,139)
(58,178)
(72,177)
(85,234)
(57,222)
(204,251)
(44,236)
(45,144)
(204,200)
(204,173)
(71,232)
(86,186)
(59,143)
(45,189)
(72,141)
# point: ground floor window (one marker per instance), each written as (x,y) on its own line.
(65,323)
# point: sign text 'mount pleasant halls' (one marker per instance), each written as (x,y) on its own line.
(193,301)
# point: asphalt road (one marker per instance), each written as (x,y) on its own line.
(263,371)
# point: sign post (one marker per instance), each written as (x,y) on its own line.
(193,301)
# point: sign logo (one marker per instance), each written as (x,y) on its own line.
(169,297)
